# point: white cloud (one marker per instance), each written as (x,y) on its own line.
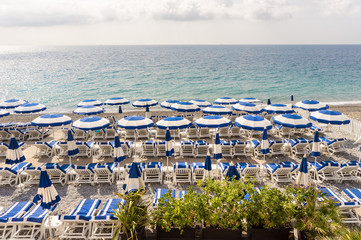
(338,7)
(69,12)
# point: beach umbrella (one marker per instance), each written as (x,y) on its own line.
(265,144)
(117,101)
(207,166)
(51,120)
(302,177)
(311,105)
(330,117)
(134,180)
(14,154)
(185,107)
(29,108)
(292,101)
(250,100)
(217,110)
(4,113)
(225,101)
(316,146)
(291,121)
(269,102)
(118,151)
(146,103)
(72,148)
(88,110)
(201,103)
(217,150)
(89,102)
(47,194)
(11,103)
(247,107)
(212,121)
(278,109)
(173,123)
(135,122)
(168,103)
(169,150)
(253,123)
(91,123)
(232,173)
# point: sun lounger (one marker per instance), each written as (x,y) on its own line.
(204,133)
(97,134)
(142,133)
(160,133)
(104,173)
(31,175)
(284,131)
(242,149)
(348,171)
(227,148)
(332,145)
(110,133)
(192,132)
(224,132)
(61,149)
(160,148)
(103,224)
(279,172)
(64,133)
(182,172)
(129,133)
(126,146)
(159,193)
(112,120)
(77,224)
(85,149)
(4,135)
(325,170)
(106,149)
(276,147)
(197,171)
(234,131)
(3,149)
(79,134)
(249,170)
(58,173)
(20,135)
(47,149)
(16,210)
(152,172)
(149,149)
(187,149)
(200,148)
(12,175)
(36,135)
(85,174)
(297,146)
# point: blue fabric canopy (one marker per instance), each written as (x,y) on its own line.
(118,151)
(173,123)
(217,151)
(330,117)
(212,121)
(91,123)
(14,153)
(51,120)
(291,121)
(47,194)
(135,122)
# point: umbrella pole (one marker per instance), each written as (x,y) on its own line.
(316,173)
(69,160)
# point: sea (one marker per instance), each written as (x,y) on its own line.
(62,76)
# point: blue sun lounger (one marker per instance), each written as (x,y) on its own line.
(12,175)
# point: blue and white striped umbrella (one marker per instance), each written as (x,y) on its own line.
(316,146)
(118,151)
(145,102)
(250,100)
(14,153)
(72,148)
(116,101)
(91,123)
(253,123)
(89,110)
(201,103)
(291,121)
(278,109)
(4,113)
(217,110)
(135,122)
(51,120)
(169,150)
(311,105)
(168,103)
(232,173)
(47,194)
(247,107)
(173,123)
(11,103)
(217,150)
(225,101)
(302,177)
(185,107)
(89,102)
(207,166)
(30,108)
(212,121)
(330,117)
(265,143)
(134,180)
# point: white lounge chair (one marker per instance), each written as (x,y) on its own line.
(182,172)
(242,149)
(142,133)
(106,149)
(249,170)
(227,148)
(12,176)
(47,149)
(104,173)
(160,133)
(348,171)
(276,147)
(58,173)
(129,134)
(325,170)
(234,131)
(110,133)
(85,149)
(4,135)
(152,172)
(224,132)
(204,133)
(20,135)
(332,145)
(192,132)
(200,148)
(149,149)
(299,146)
(97,134)
(279,173)
(85,174)
(3,149)
(36,135)
(31,175)
(197,171)
(187,149)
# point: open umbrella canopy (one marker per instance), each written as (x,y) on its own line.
(11,103)
(291,121)
(4,113)
(250,100)
(253,123)
(167,104)
(311,105)
(185,107)
(91,123)
(247,107)
(89,110)
(47,194)
(278,109)
(330,117)
(135,122)
(51,120)
(30,108)
(212,121)
(217,110)
(201,103)
(145,102)
(173,123)
(225,101)
(89,102)
(116,101)
(14,153)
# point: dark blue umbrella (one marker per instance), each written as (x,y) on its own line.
(118,151)
(14,153)
(134,181)
(169,150)
(47,194)
(302,178)
(207,166)
(232,173)
(72,148)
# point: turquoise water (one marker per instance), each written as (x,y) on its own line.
(60,77)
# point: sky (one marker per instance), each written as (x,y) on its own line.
(133,22)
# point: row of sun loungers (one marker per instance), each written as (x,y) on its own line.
(32,134)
